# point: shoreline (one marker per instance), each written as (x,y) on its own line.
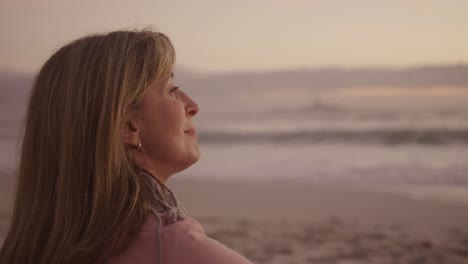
(299,199)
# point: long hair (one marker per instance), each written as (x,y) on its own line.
(79,198)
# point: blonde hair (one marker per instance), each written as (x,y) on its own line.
(79,198)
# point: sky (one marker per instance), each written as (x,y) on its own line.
(249,35)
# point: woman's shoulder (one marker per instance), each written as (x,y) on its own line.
(184,241)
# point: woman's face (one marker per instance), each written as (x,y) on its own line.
(167,133)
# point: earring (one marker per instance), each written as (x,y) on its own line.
(139,145)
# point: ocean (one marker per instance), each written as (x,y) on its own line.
(373,136)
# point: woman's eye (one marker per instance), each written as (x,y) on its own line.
(174,89)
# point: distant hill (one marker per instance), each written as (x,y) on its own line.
(425,76)
(14,87)
(14,91)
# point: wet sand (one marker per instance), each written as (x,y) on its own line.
(297,222)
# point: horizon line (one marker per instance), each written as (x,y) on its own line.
(13,71)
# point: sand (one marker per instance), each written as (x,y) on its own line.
(298,222)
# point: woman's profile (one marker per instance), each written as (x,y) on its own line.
(106,126)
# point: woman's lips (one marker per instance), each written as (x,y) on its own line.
(191,131)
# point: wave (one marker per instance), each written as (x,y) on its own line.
(431,136)
(379,136)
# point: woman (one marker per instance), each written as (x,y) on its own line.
(105,129)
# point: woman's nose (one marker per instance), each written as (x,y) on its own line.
(193,109)
(191,106)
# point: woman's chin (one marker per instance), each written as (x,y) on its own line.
(196,154)
(191,157)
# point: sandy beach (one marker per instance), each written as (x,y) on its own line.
(297,222)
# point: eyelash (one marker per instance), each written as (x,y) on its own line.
(174,89)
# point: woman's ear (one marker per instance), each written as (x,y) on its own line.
(131,131)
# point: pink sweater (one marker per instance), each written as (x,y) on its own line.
(183,242)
